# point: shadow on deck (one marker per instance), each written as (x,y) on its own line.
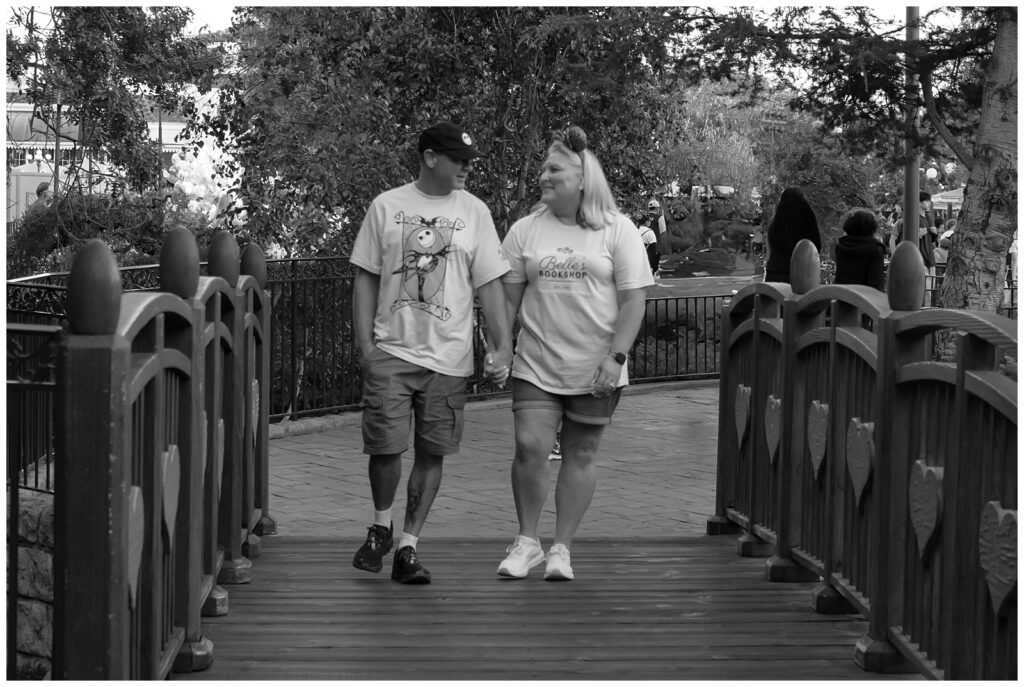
(653,597)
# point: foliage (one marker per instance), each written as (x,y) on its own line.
(506,74)
(104,69)
(103,72)
(133,227)
(848,67)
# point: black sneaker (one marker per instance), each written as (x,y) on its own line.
(407,568)
(378,542)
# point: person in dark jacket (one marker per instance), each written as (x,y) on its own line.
(794,220)
(859,254)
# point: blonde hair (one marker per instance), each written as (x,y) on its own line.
(597,207)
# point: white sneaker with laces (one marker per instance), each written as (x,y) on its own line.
(558,564)
(524,555)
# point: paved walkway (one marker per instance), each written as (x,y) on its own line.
(656,473)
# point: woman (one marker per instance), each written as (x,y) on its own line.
(578,285)
(794,220)
(860,256)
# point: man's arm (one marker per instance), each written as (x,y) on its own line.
(499,330)
(365,293)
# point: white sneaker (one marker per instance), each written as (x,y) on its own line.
(558,564)
(523,556)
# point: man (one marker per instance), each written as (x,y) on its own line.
(43,193)
(657,216)
(925,239)
(650,240)
(421,251)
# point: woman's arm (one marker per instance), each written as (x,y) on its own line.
(632,307)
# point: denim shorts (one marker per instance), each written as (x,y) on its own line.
(583,408)
(398,395)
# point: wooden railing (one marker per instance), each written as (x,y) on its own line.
(162,457)
(851,454)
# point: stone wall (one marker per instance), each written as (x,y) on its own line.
(35,585)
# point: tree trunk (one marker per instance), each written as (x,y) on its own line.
(987,221)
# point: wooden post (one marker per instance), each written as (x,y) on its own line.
(254,263)
(95,561)
(213,300)
(719,523)
(179,274)
(237,569)
(749,544)
(874,652)
(805,272)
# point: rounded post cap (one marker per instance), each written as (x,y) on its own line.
(254,263)
(804,267)
(179,263)
(94,290)
(223,258)
(906,277)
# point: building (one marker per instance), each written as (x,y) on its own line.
(35,154)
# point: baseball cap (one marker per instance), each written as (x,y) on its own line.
(653,204)
(449,139)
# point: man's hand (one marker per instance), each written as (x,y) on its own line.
(496,367)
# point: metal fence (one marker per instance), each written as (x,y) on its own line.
(314,360)
(31,387)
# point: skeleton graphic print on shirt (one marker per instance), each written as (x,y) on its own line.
(427,243)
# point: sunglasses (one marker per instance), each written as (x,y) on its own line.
(562,136)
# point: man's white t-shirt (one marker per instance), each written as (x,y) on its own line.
(647,235)
(431,253)
(569,308)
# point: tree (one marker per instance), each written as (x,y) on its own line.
(507,74)
(848,66)
(103,71)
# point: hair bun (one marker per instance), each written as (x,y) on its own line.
(577,139)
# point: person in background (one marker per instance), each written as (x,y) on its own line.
(794,221)
(421,252)
(43,193)
(657,219)
(925,236)
(650,240)
(577,283)
(859,255)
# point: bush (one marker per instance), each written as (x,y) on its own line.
(133,225)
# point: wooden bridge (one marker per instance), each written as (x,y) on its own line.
(847,458)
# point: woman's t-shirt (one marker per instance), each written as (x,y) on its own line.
(569,308)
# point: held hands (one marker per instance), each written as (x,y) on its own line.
(606,377)
(496,367)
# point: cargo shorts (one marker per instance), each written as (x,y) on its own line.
(399,396)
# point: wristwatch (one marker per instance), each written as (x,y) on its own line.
(620,358)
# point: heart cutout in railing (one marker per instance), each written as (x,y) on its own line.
(172,486)
(860,451)
(772,425)
(136,539)
(742,411)
(817,434)
(997,548)
(924,499)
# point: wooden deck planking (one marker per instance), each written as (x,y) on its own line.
(666,609)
